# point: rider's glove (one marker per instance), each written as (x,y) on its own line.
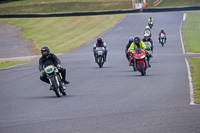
(42,72)
(58,66)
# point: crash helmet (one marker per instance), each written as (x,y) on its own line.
(150,17)
(146,36)
(43,49)
(147,28)
(99,41)
(162,30)
(137,41)
(131,39)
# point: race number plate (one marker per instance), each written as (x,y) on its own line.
(100,52)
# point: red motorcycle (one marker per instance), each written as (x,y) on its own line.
(139,58)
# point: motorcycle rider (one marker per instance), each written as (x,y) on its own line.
(100,43)
(147,30)
(46,55)
(162,32)
(147,38)
(150,19)
(130,41)
(138,44)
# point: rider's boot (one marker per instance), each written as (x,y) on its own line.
(51,88)
(149,64)
(66,82)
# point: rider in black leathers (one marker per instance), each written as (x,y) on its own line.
(46,55)
(130,41)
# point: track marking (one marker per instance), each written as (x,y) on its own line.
(187,64)
(190,83)
(183,48)
(184,17)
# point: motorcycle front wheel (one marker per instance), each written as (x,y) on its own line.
(142,69)
(100,62)
(55,86)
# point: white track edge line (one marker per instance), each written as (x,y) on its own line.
(190,83)
(184,16)
(183,48)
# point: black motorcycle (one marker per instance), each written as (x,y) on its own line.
(55,79)
(100,56)
(162,39)
(150,24)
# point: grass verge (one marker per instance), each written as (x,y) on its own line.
(63,34)
(195,71)
(191,29)
(6,64)
(174,3)
(66,7)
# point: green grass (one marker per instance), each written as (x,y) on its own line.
(6,3)
(174,3)
(191,30)
(63,34)
(6,64)
(62,6)
(67,7)
(195,71)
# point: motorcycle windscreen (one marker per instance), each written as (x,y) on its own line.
(138,50)
(48,63)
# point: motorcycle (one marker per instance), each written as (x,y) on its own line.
(146,37)
(55,79)
(100,56)
(139,57)
(149,48)
(150,24)
(162,37)
(147,32)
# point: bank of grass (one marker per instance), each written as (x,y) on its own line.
(6,64)
(191,30)
(174,3)
(66,7)
(63,34)
(195,71)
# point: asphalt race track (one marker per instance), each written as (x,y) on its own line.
(112,99)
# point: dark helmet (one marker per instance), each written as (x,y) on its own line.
(137,40)
(150,17)
(162,30)
(45,48)
(99,41)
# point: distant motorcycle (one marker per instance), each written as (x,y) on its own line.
(100,56)
(147,32)
(150,24)
(162,39)
(55,79)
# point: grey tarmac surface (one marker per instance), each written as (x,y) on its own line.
(12,44)
(113,99)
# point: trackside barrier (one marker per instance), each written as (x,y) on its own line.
(100,13)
